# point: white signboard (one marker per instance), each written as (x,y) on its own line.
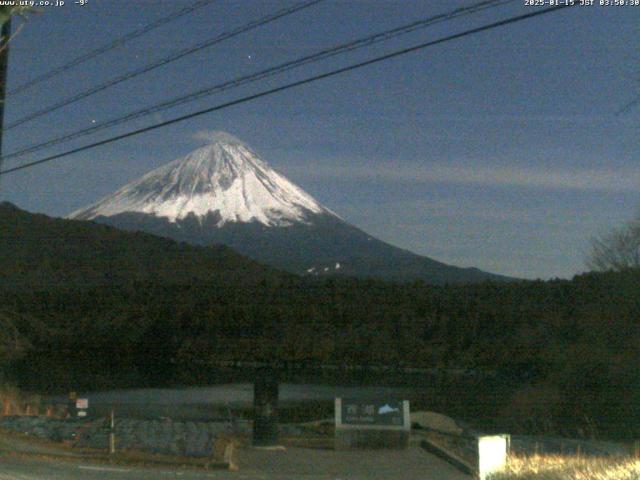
(356,414)
(82,403)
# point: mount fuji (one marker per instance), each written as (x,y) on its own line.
(223,193)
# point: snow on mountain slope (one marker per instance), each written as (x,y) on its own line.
(225,194)
(225,177)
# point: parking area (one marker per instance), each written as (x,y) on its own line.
(254,464)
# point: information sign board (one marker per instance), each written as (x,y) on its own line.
(375,414)
(372,423)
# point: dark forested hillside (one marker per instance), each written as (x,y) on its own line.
(37,250)
(569,346)
(316,248)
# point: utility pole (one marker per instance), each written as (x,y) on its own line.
(4,60)
(112,433)
(265,405)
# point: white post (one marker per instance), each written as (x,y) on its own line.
(492,454)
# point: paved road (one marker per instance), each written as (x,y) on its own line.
(304,463)
(17,468)
(294,464)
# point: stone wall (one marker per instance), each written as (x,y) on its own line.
(156,436)
(164,437)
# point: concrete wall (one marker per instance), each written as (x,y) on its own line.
(355,439)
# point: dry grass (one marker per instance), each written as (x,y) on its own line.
(556,467)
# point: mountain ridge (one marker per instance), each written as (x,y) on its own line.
(223,193)
(225,177)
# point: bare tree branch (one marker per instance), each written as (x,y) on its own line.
(618,250)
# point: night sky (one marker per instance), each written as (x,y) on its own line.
(502,150)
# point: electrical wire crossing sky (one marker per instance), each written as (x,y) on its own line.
(118,42)
(282,88)
(502,148)
(275,70)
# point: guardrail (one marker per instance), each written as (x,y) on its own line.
(447,454)
(478,456)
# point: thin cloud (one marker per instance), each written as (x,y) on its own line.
(606,180)
(211,136)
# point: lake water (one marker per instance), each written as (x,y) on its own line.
(219,401)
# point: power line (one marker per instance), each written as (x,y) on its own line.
(110,46)
(629,106)
(288,86)
(267,73)
(166,60)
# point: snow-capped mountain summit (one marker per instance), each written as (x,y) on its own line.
(224,193)
(225,178)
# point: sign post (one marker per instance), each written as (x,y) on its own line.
(372,423)
(112,433)
(82,405)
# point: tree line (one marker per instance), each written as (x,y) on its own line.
(86,306)
(569,346)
